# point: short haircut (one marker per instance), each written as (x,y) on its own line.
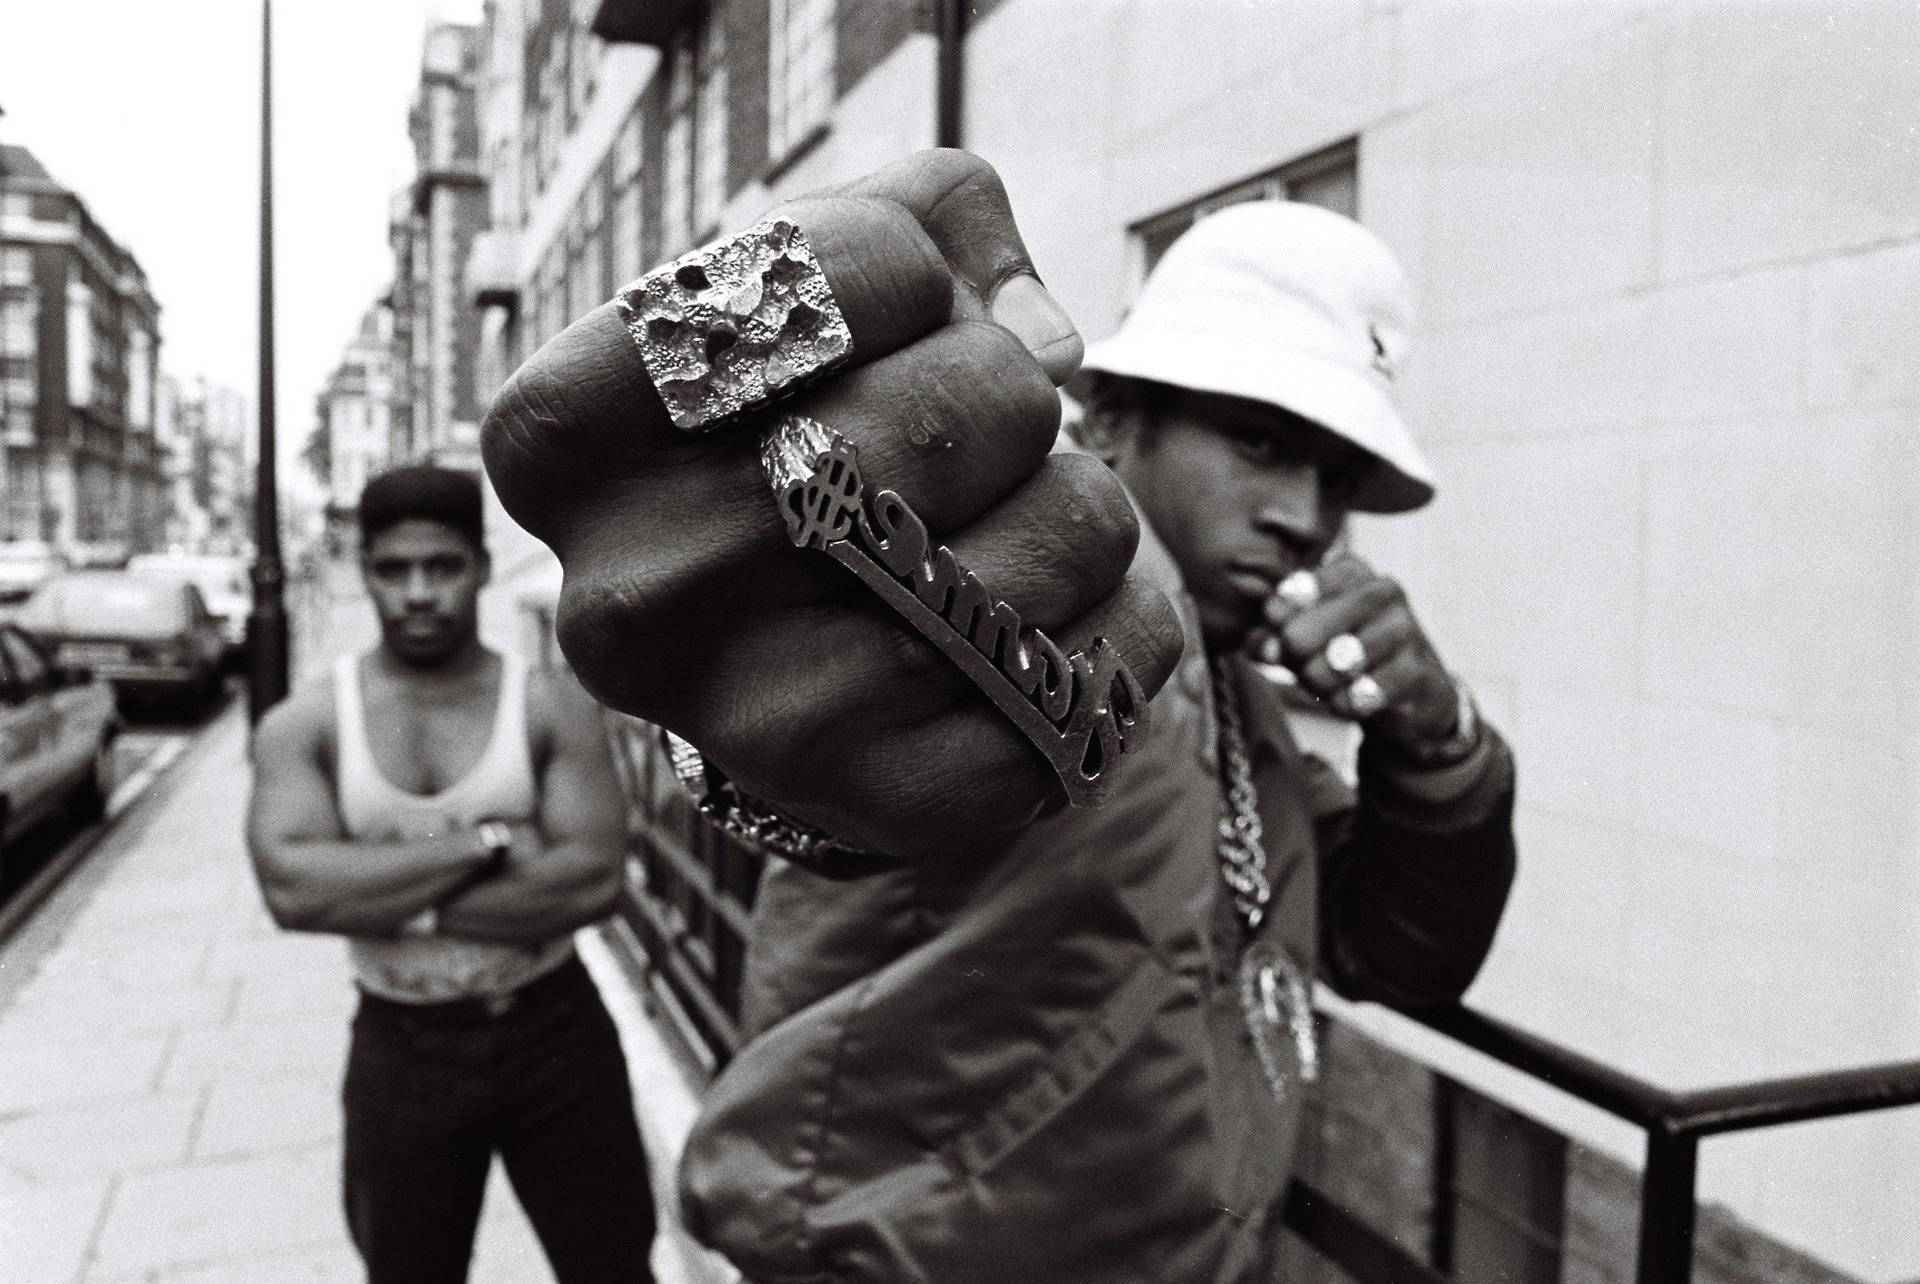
(425,492)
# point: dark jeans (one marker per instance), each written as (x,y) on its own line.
(433,1091)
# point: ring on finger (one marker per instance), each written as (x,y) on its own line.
(1301,589)
(1081,711)
(725,329)
(1365,696)
(1346,655)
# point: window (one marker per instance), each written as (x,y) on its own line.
(1328,178)
(16,265)
(710,138)
(627,234)
(799,71)
(676,200)
(17,327)
(590,286)
(1503,1181)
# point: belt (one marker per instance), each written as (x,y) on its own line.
(566,978)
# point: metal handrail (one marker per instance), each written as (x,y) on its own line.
(1675,1121)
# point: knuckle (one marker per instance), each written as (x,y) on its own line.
(599,623)
(988,378)
(1091,503)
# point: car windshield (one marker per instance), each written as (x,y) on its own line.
(106,606)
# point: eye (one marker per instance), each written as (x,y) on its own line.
(1339,485)
(1254,443)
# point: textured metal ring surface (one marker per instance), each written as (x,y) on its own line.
(1081,711)
(727,328)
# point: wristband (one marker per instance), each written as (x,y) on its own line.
(758,825)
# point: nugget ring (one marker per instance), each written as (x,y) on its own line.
(1302,589)
(1366,697)
(725,329)
(1081,710)
(1346,655)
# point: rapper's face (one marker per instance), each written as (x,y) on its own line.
(424,578)
(1242,494)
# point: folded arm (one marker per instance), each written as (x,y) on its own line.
(564,869)
(316,879)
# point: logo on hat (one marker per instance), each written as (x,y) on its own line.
(1381,361)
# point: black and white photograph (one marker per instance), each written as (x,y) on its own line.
(960,642)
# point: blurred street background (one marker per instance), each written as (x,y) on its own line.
(1666,257)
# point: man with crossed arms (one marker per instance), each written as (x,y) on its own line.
(455,814)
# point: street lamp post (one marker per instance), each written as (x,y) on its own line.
(267,624)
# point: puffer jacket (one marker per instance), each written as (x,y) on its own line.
(1030,1066)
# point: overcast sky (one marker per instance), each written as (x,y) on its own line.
(150,111)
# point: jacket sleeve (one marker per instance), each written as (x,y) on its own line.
(1411,888)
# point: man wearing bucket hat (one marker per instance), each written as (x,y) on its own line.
(990,1036)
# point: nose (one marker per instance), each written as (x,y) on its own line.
(419,586)
(1296,509)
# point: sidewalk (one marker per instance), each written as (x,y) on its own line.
(170,1069)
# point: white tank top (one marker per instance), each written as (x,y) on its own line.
(433,969)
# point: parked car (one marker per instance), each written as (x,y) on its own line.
(26,564)
(223,583)
(57,724)
(150,636)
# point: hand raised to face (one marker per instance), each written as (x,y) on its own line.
(686,604)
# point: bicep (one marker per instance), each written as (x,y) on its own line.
(292,799)
(580,797)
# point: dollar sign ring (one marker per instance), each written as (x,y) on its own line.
(1081,711)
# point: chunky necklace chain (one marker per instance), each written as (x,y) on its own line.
(1243,861)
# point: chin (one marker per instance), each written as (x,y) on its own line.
(423,654)
(1223,633)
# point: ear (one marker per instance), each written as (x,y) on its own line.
(1109,432)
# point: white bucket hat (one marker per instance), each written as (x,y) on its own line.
(1289,304)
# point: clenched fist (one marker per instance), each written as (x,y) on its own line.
(1345,622)
(685,603)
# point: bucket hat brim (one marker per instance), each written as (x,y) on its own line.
(1331,393)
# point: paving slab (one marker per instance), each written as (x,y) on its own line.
(302,1045)
(45,1230)
(38,1072)
(262,1116)
(99,1139)
(206,1213)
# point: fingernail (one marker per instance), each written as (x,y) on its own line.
(1024,306)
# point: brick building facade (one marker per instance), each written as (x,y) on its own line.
(435,330)
(80,464)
